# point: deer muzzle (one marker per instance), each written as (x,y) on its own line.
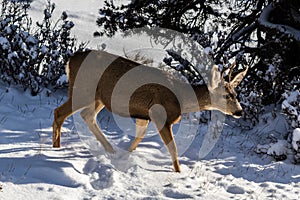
(238,114)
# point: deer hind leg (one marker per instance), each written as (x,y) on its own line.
(167,137)
(89,115)
(141,126)
(60,114)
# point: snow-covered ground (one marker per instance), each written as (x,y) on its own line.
(30,168)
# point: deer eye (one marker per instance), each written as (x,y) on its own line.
(226,96)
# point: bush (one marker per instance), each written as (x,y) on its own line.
(33,56)
(291,107)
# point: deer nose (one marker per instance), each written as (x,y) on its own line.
(238,113)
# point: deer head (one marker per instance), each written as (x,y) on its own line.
(222,93)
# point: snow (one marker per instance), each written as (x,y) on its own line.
(31,168)
(293,96)
(278,148)
(291,106)
(44,49)
(63,79)
(296,139)
(4,43)
(31,39)
(12,55)
(264,20)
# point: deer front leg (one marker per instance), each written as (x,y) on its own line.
(60,114)
(141,126)
(167,137)
(89,115)
(56,135)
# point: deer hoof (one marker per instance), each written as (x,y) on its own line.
(176,166)
(110,150)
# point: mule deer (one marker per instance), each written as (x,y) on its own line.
(93,93)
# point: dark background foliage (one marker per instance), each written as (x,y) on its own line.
(261,33)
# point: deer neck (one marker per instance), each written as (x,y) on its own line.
(190,104)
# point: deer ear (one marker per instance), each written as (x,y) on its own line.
(215,78)
(239,77)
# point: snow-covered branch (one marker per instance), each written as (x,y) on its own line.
(285,29)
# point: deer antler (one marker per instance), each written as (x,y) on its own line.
(230,71)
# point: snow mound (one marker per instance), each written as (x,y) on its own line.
(278,149)
(296,139)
